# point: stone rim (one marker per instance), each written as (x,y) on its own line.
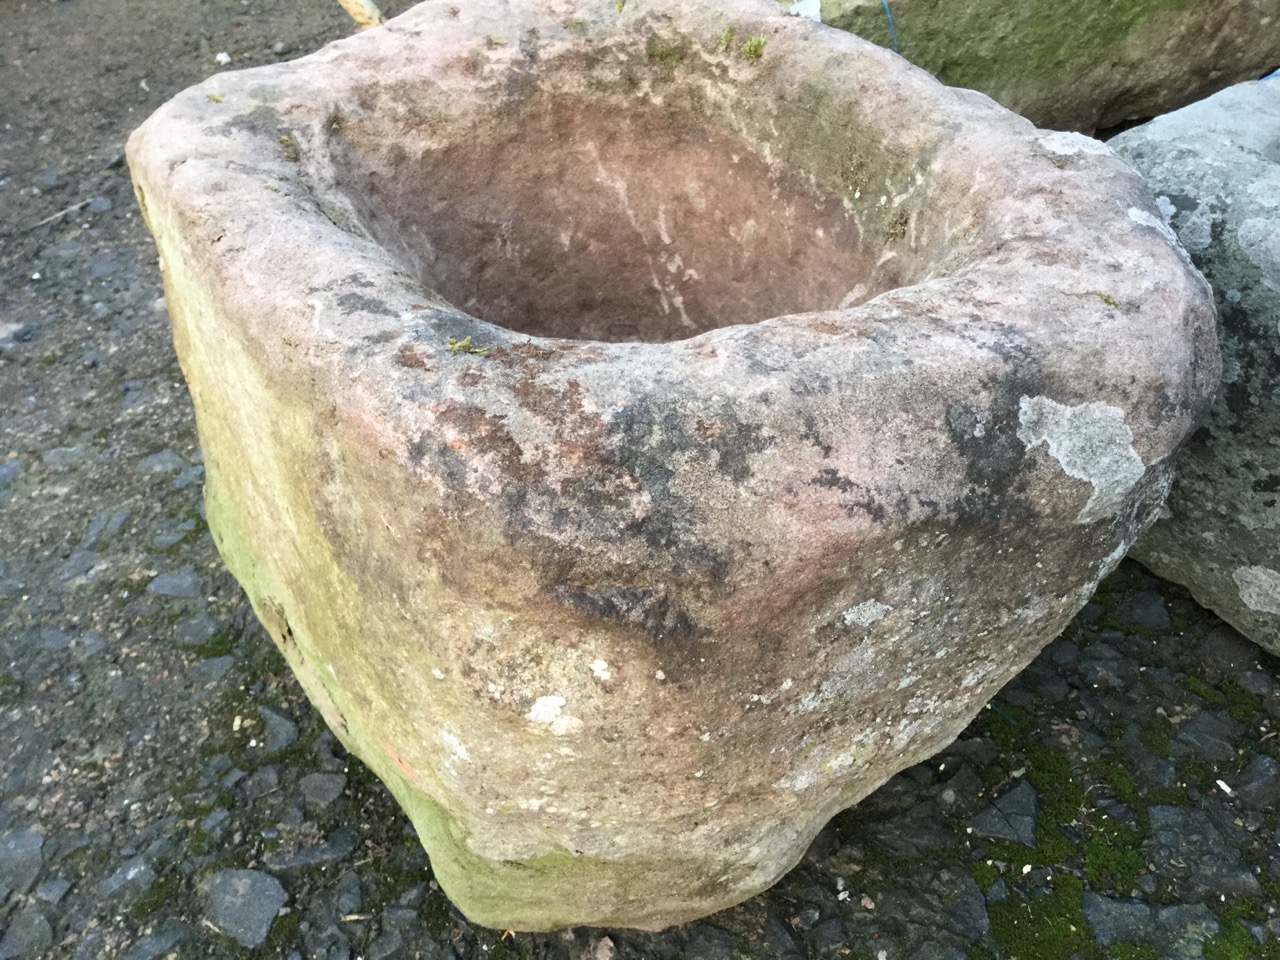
(965,290)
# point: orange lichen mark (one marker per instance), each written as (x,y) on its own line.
(706,430)
(484,434)
(404,767)
(409,357)
(579,434)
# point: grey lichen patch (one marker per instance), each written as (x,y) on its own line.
(1259,588)
(1066,144)
(1091,442)
(866,613)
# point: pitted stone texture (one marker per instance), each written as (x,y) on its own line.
(1215,167)
(820,398)
(1084,65)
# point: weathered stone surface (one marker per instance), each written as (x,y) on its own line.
(1216,165)
(622,624)
(1084,65)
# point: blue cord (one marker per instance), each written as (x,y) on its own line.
(893,33)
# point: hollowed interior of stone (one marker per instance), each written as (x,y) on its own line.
(587,220)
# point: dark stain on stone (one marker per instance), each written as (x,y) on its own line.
(993,454)
(261,120)
(1184,204)
(419,450)
(734,444)
(1239,398)
(641,436)
(529,45)
(646,440)
(860,497)
(811,434)
(1165,408)
(352,302)
(647,609)
(1270,484)
(350,280)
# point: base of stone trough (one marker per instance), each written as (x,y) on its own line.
(645,431)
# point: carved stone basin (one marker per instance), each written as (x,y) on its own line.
(645,432)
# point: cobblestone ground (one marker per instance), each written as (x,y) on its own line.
(165,791)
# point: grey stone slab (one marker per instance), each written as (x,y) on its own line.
(155,946)
(1145,610)
(212,670)
(320,790)
(261,782)
(1117,921)
(279,729)
(195,631)
(131,879)
(1213,735)
(244,904)
(28,935)
(915,832)
(21,860)
(182,583)
(1013,816)
(166,461)
(339,844)
(59,459)
(1216,174)
(1181,930)
(1258,784)
(52,891)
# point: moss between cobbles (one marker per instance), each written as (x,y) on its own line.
(1234,942)
(284,932)
(1113,860)
(165,888)
(435,914)
(1155,737)
(984,872)
(1241,704)
(1204,691)
(1049,927)
(1132,951)
(1115,775)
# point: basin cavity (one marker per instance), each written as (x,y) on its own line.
(574,218)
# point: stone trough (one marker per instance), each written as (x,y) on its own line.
(645,432)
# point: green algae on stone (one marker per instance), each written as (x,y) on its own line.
(1077,65)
